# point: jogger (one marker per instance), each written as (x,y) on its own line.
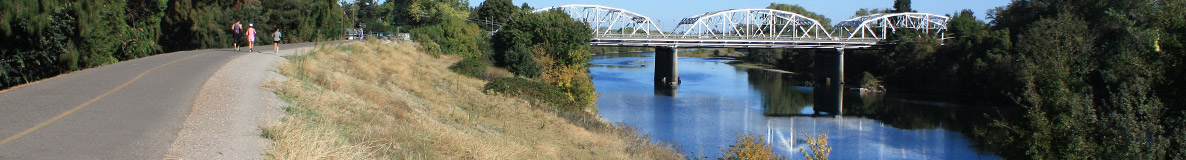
(251,37)
(276,40)
(238,35)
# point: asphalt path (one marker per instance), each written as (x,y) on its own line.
(128,110)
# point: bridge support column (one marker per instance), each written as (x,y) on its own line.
(840,66)
(666,67)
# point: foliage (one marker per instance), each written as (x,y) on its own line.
(550,46)
(453,36)
(512,50)
(1084,72)
(1095,80)
(553,32)
(473,67)
(902,6)
(370,15)
(497,11)
(749,147)
(601,50)
(190,24)
(819,147)
(868,81)
(533,90)
(866,11)
(794,8)
(794,60)
(914,57)
(302,21)
(34,51)
(574,80)
(526,7)
(46,38)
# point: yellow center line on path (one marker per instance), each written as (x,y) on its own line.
(75,109)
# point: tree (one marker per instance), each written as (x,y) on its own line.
(554,32)
(551,47)
(1087,73)
(526,7)
(794,8)
(866,11)
(497,11)
(902,6)
(44,38)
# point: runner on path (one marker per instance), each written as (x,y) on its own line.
(276,40)
(238,28)
(251,37)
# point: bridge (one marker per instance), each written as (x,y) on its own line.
(743,28)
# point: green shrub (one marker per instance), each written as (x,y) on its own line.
(552,34)
(749,147)
(868,81)
(512,50)
(533,90)
(473,67)
(819,147)
(452,36)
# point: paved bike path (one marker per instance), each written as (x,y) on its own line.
(128,110)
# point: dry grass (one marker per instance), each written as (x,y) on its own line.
(380,101)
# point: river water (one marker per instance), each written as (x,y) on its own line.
(718,101)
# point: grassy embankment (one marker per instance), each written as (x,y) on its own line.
(379,101)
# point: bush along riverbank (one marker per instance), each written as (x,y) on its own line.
(380,101)
(1094,80)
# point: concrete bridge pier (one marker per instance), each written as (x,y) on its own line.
(666,68)
(829,68)
(840,66)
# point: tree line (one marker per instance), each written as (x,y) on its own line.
(45,38)
(1094,79)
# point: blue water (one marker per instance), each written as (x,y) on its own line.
(717,101)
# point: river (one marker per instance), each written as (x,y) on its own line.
(718,101)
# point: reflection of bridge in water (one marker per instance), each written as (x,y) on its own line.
(744,28)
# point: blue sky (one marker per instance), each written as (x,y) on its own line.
(668,12)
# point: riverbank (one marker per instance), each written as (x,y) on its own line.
(381,101)
(767,67)
(711,53)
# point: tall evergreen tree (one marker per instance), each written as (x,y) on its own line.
(902,6)
(497,11)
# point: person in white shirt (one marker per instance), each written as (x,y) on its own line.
(276,40)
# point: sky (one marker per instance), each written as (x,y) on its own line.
(669,12)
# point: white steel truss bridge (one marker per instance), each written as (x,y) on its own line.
(744,28)
(747,28)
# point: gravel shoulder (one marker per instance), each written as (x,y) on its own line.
(230,109)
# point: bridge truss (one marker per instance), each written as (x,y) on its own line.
(746,28)
(608,20)
(750,24)
(880,26)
